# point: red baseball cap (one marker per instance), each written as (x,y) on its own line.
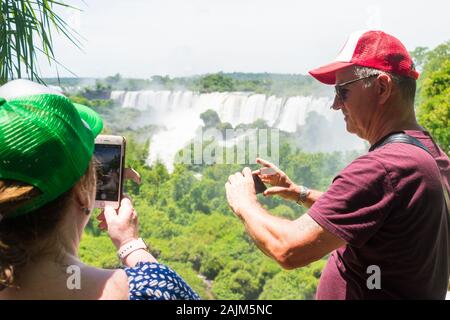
(373,49)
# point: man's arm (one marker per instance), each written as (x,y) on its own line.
(292,244)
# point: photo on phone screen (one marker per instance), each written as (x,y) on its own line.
(109,157)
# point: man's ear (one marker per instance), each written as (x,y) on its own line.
(384,88)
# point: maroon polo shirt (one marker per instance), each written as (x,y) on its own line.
(388,206)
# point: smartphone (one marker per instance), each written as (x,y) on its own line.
(260,187)
(267,171)
(110,155)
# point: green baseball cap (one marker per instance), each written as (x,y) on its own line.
(45,140)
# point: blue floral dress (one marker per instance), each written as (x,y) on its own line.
(155,281)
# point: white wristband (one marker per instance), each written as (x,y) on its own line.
(130,247)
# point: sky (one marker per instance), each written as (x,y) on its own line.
(141,38)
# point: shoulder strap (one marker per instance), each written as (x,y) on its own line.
(400,137)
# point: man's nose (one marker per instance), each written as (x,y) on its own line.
(336,103)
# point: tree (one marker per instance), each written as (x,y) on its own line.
(419,56)
(114,80)
(434,95)
(431,61)
(25,31)
(434,112)
(237,282)
(210,118)
(435,58)
(216,82)
(298,284)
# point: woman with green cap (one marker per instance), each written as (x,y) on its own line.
(47,193)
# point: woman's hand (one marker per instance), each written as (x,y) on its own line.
(121,223)
(280,182)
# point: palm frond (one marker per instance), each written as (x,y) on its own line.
(26,29)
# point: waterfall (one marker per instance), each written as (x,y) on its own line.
(235,107)
(179,112)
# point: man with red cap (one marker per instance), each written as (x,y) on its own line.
(384,220)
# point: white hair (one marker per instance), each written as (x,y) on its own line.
(406,85)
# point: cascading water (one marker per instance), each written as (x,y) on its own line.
(179,113)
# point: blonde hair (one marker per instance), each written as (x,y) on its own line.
(24,238)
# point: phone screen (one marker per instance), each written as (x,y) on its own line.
(108,171)
(260,187)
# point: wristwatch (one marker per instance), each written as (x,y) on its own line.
(130,247)
(304,192)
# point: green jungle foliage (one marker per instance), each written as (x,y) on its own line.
(433,98)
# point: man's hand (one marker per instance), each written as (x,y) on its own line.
(240,190)
(280,182)
(131,174)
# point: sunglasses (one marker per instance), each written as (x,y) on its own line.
(341,92)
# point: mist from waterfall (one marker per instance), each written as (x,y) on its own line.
(178,113)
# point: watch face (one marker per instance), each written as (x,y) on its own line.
(303,194)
